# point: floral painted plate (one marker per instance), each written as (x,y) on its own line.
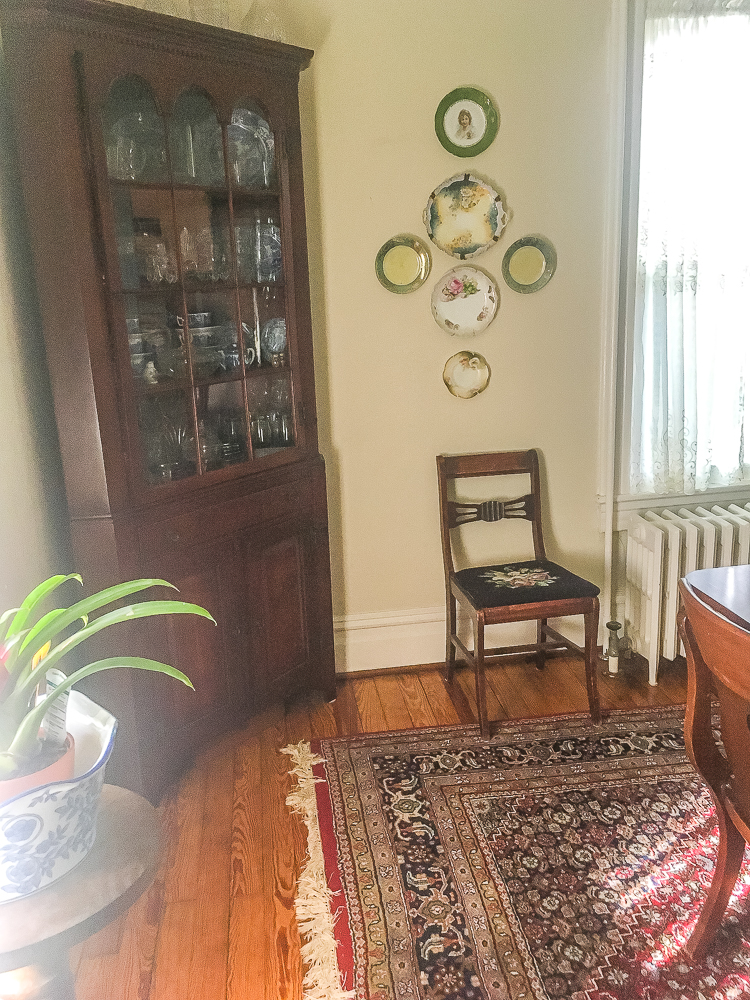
(464,301)
(466,374)
(465,216)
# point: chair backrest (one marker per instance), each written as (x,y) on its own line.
(723,648)
(456,513)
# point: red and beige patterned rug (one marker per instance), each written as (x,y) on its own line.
(558,859)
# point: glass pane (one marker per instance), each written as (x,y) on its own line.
(280,411)
(167,438)
(156,351)
(145,237)
(203,237)
(212,337)
(134,133)
(195,142)
(252,161)
(269,399)
(222,425)
(258,245)
(249,332)
(272,326)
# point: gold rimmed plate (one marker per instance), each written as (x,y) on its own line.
(403,263)
(465,216)
(529,264)
(466,121)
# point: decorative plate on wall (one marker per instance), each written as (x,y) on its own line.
(529,264)
(466,374)
(464,301)
(465,216)
(466,121)
(403,263)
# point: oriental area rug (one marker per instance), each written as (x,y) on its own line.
(557,859)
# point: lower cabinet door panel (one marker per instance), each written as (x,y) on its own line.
(267,584)
(214,657)
(276,580)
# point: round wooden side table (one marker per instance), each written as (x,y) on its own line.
(37,931)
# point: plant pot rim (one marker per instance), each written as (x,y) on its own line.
(58,770)
(82,714)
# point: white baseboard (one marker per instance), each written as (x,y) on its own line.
(416,636)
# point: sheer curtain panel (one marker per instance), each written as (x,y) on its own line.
(691,336)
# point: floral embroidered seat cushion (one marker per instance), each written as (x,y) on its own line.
(522,583)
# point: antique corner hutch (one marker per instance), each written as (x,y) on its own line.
(162,174)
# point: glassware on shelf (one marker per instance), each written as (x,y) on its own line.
(139,361)
(273,342)
(165,451)
(234,438)
(188,251)
(244,237)
(251,149)
(260,431)
(268,262)
(136,150)
(196,148)
(280,411)
(171,362)
(209,446)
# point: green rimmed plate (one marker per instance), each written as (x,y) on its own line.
(529,264)
(466,121)
(403,263)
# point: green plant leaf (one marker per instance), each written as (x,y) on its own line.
(5,616)
(36,596)
(15,705)
(26,736)
(40,635)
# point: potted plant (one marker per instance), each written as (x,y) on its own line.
(48,790)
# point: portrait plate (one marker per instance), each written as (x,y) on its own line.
(466,121)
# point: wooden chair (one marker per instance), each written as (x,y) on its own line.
(718,658)
(514,591)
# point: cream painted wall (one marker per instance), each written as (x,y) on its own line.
(371,160)
(33,516)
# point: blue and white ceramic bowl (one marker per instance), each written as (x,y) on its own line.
(46,832)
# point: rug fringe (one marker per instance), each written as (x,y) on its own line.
(322,980)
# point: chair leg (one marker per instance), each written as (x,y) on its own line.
(591,623)
(728,864)
(541,656)
(481,682)
(450,631)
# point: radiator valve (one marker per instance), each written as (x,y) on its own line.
(613,647)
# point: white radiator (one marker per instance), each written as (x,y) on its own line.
(663,546)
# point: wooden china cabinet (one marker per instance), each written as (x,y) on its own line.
(161,163)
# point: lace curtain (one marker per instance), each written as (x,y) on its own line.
(691,349)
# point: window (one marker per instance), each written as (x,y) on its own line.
(686,422)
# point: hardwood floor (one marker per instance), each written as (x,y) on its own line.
(218,923)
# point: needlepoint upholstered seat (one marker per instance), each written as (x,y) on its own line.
(514,591)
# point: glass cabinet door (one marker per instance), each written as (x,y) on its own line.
(199,305)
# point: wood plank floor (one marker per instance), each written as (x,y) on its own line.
(218,923)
